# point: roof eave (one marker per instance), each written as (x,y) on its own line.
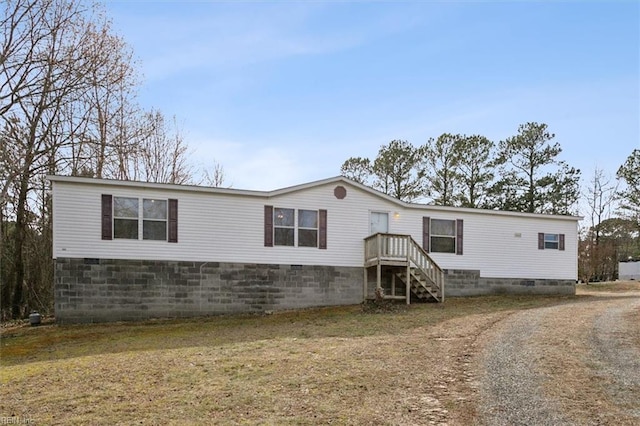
(153,185)
(301,187)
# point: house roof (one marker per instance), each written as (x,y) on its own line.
(296,188)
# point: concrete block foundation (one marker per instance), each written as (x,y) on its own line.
(465,282)
(100,290)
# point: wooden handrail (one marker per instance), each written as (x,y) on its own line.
(402,247)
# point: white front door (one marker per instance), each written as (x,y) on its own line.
(379,222)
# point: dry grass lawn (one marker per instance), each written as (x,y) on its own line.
(335,365)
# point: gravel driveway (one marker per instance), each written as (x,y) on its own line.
(572,364)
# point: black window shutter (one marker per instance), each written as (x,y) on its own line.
(540,240)
(322,237)
(561,242)
(426,225)
(107,217)
(459,239)
(173,221)
(268,226)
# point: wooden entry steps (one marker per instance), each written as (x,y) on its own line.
(405,260)
(420,285)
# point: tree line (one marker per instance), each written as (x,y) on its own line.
(612,230)
(521,173)
(68,105)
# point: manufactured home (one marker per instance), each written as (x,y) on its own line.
(133,250)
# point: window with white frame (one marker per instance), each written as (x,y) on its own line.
(283,226)
(154,219)
(125,218)
(293,227)
(307,228)
(551,241)
(547,241)
(130,217)
(443,236)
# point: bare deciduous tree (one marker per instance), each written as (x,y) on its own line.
(215,176)
(596,257)
(107,107)
(163,154)
(600,196)
(67,105)
(39,76)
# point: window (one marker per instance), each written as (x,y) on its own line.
(295,228)
(443,236)
(154,223)
(285,233)
(127,220)
(283,226)
(307,228)
(550,241)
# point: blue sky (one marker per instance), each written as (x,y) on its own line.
(283,92)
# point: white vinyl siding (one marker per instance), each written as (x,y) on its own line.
(220,227)
(226,227)
(502,246)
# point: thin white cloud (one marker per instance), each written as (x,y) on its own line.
(228,36)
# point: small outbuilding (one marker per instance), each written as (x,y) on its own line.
(629,271)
